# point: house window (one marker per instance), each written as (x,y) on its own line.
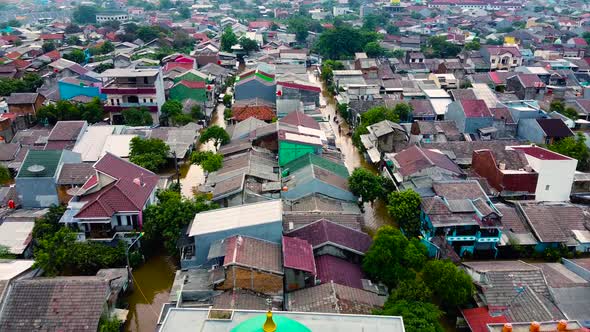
(151,100)
(135,220)
(119,221)
(493,60)
(514,61)
(118,102)
(547,187)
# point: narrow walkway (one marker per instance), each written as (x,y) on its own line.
(375,215)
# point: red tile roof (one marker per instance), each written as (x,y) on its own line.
(20,63)
(132,187)
(182,65)
(476,108)
(300,86)
(540,153)
(192,84)
(261,112)
(478,318)
(297,118)
(326,232)
(53,55)
(52,36)
(415,159)
(259,24)
(298,255)
(13,55)
(10,38)
(338,270)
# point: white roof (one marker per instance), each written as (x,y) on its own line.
(92,142)
(482,91)
(10,268)
(440,105)
(236,217)
(436,93)
(303,138)
(347,72)
(313,132)
(581,236)
(16,235)
(119,145)
(129,72)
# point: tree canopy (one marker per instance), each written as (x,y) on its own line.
(75,55)
(401,111)
(559,107)
(249,45)
(137,117)
(574,147)
(343,41)
(29,83)
(393,258)
(228,39)
(365,184)
(85,14)
(209,161)
(439,47)
(149,153)
(418,316)
(64,110)
(163,223)
(172,114)
(451,285)
(57,252)
(404,207)
(216,134)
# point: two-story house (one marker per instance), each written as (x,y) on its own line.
(462,216)
(526,86)
(470,115)
(502,57)
(109,205)
(127,88)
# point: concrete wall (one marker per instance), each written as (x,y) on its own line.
(530,130)
(252,279)
(37,192)
(455,113)
(555,178)
(68,91)
(577,269)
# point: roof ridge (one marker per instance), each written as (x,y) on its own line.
(424,155)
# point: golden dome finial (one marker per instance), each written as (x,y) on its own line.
(269,325)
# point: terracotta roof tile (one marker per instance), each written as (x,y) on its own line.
(298,254)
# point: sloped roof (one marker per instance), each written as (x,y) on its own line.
(415,159)
(475,108)
(47,159)
(55,304)
(297,118)
(124,194)
(261,112)
(192,84)
(478,318)
(298,254)
(339,271)
(326,232)
(253,253)
(22,98)
(554,223)
(555,128)
(66,130)
(334,298)
(75,174)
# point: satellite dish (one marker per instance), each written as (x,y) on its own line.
(36,169)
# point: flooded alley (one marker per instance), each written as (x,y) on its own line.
(195,176)
(152,283)
(375,214)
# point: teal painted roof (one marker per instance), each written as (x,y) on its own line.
(48,159)
(284,324)
(310,159)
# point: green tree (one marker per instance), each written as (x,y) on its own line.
(249,45)
(163,223)
(209,161)
(170,110)
(52,253)
(48,46)
(398,54)
(559,107)
(137,117)
(418,316)
(85,14)
(215,133)
(75,55)
(439,47)
(64,110)
(5,176)
(343,41)
(165,4)
(109,324)
(451,285)
(149,153)
(392,29)
(228,39)
(72,28)
(393,258)
(148,33)
(414,290)
(473,45)
(365,184)
(184,12)
(300,27)
(73,40)
(574,147)
(404,207)
(374,49)
(29,83)
(49,223)
(378,114)
(197,113)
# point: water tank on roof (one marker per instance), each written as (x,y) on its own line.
(36,169)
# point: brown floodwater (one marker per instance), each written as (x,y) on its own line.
(376,214)
(152,283)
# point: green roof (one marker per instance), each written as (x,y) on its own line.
(284,324)
(310,159)
(49,159)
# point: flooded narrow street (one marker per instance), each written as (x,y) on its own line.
(195,176)
(375,215)
(152,283)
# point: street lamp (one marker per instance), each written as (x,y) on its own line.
(127,253)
